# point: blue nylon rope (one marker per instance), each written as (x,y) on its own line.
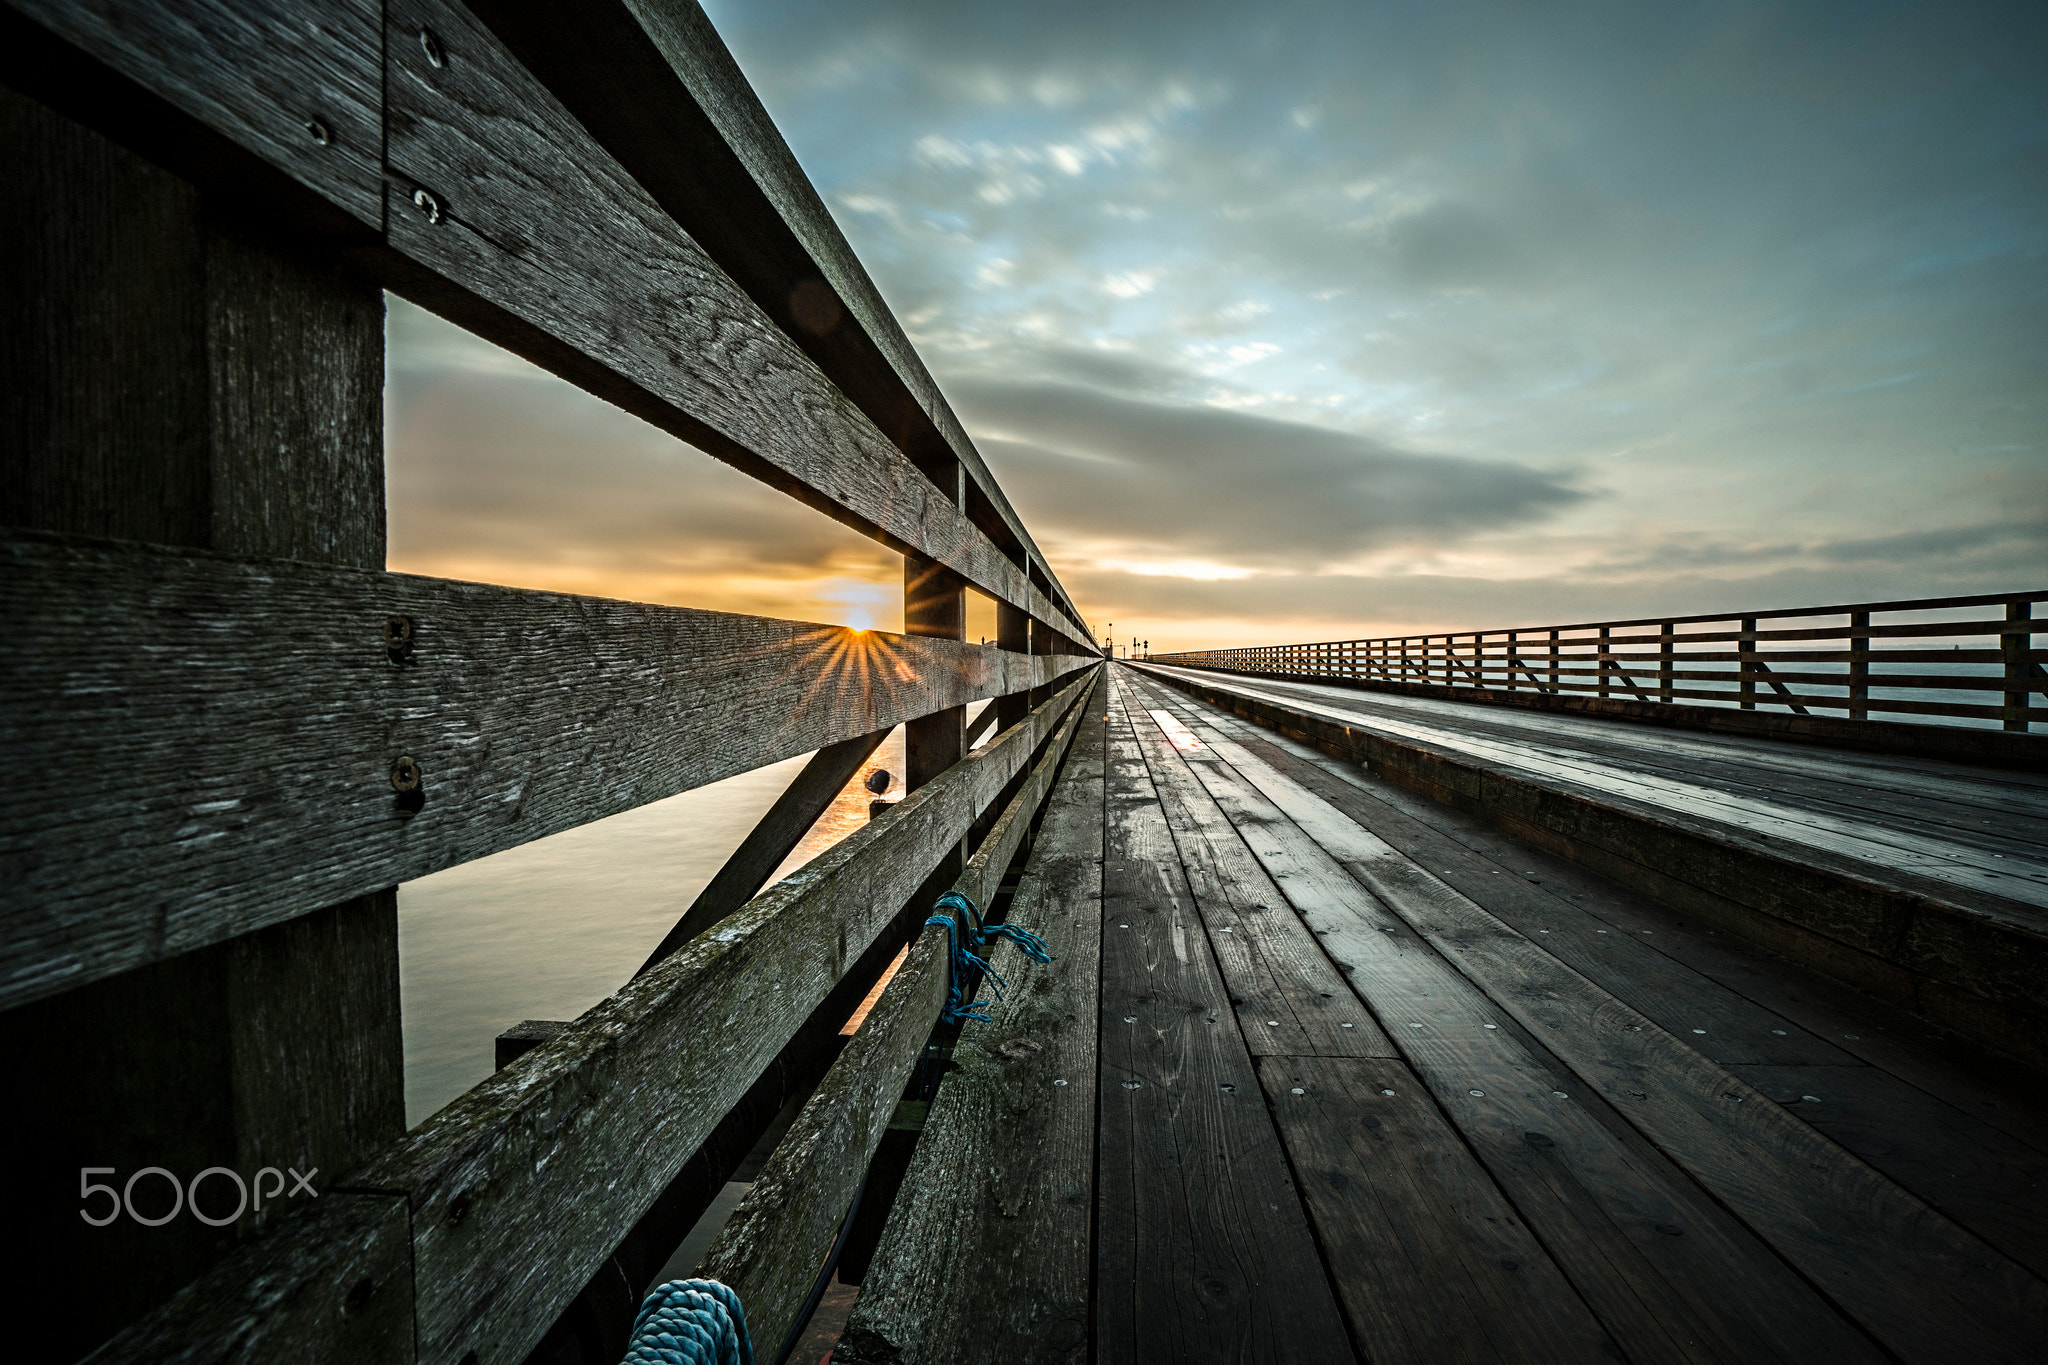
(690,1322)
(960,917)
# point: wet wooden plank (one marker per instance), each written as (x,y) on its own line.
(986,1256)
(523,713)
(1290,1001)
(1534,893)
(1921,1284)
(1202,1250)
(1826,1024)
(1974,967)
(1992,1184)
(1432,1262)
(1710,1291)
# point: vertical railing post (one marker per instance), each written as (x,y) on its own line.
(1667,656)
(2015,646)
(1745,653)
(1553,663)
(935,605)
(1859,666)
(1513,657)
(1600,668)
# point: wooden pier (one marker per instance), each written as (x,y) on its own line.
(1444,1004)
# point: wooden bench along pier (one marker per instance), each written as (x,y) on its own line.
(1639,991)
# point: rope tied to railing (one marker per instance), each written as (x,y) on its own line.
(968,934)
(690,1322)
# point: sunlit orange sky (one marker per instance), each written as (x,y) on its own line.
(1300,321)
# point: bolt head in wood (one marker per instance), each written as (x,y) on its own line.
(405,775)
(429,44)
(321,134)
(427,204)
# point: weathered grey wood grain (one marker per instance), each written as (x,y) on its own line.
(654,85)
(1933,1289)
(1713,1292)
(522,1187)
(1824,1026)
(331,1284)
(1992,1184)
(177,376)
(1431,1261)
(1537,895)
(524,712)
(540,240)
(1290,1001)
(1968,959)
(259,72)
(771,1250)
(1203,1252)
(985,1257)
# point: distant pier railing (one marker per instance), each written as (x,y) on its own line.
(1930,659)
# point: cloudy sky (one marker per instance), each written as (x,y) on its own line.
(1301,320)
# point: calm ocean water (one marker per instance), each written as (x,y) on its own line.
(546,930)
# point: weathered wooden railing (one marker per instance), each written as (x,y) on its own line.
(1879,659)
(239,732)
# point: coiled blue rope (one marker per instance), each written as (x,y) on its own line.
(690,1322)
(968,934)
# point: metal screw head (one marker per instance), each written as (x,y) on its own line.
(1298,1091)
(1059,1082)
(431,45)
(1386,1092)
(405,775)
(319,132)
(397,632)
(427,204)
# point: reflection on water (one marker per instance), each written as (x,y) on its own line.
(546,930)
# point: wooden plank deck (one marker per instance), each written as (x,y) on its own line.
(1921,881)
(1380,1082)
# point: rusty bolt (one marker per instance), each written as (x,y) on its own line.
(405,775)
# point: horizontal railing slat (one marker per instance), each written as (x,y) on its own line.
(531,217)
(520,1188)
(298,85)
(541,242)
(219,736)
(653,83)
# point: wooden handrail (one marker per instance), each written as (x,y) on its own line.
(474,191)
(1591,659)
(518,1190)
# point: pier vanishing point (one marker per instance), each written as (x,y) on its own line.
(1652,990)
